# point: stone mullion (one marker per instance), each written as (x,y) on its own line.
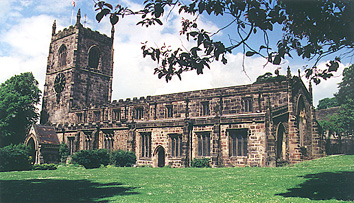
(216,152)
(186,143)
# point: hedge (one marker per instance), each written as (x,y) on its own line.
(91,158)
(122,158)
(200,163)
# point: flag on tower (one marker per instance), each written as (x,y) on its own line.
(72,11)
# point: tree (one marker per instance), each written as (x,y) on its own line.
(311,29)
(15,158)
(326,103)
(333,126)
(345,98)
(18,97)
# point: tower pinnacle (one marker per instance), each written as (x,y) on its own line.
(54,27)
(78,17)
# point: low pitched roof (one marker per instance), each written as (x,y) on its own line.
(324,114)
(46,134)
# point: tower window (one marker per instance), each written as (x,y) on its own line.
(94,57)
(62,55)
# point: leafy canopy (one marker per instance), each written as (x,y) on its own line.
(345,98)
(310,29)
(18,97)
(326,103)
(343,122)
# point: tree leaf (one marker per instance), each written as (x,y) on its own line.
(250,53)
(158,10)
(108,5)
(277,60)
(105,11)
(158,21)
(114,18)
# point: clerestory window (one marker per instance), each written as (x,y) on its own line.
(139,113)
(169,111)
(116,114)
(247,105)
(97,115)
(205,110)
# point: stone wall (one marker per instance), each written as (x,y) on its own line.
(278,117)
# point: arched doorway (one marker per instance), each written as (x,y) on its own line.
(281,143)
(32,147)
(160,152)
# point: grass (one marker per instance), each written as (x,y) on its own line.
(330,179)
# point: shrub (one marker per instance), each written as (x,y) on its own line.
(15,158)
(91,158)
(45,167)
(63,152)
(123,158)
(87,158)
(103,156)
(200,163)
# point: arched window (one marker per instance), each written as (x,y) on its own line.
(94,57)
(62,55)
(281,142)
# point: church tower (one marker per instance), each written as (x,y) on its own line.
(79,72)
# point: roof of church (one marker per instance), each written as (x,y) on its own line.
(324,114)
(46,134)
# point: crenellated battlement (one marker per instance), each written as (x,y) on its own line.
(267,123)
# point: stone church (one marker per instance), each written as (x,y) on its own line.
(265,124)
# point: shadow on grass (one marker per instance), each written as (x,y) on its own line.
(325,186)
(51,190)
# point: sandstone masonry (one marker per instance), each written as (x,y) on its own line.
(265,124)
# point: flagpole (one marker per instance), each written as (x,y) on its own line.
(72,12)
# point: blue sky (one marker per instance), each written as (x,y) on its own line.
(25,30)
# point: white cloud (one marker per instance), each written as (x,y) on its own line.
(27,45)
(54,6)
(30,36)
(327,87)
(133,74)
(27,41)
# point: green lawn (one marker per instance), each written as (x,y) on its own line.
(330,179)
